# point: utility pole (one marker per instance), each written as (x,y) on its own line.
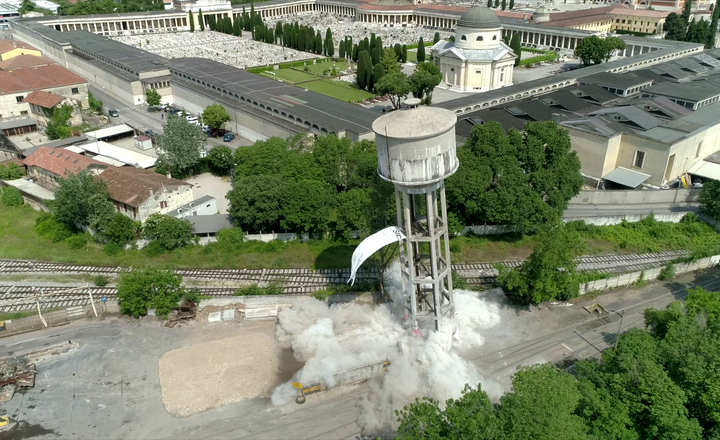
(617,337)
(37,302)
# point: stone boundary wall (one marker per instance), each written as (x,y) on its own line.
(56,318)
(631,278)
(634,197)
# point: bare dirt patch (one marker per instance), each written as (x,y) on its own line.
(216,373)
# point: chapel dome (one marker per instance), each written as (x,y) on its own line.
(479,17)
(541,14)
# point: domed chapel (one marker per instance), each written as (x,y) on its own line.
(478,60)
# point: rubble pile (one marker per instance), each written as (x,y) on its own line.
(14,373)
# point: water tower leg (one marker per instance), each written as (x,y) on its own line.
(433,235)
(411,290)
(448,262)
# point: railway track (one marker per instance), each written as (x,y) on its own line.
(14,298)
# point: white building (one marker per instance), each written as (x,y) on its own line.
(478,60)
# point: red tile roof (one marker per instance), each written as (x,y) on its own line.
(133,186)
(8,45)
(41,77)
(21,61)
(624,10)
(60,161)
(43,99)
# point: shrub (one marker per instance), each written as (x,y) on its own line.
(169,232)
(11,196)
(667,273)
(459,281)
(455,246)
(641,281)
(78,241)
(122,230)
(143,289)
(101,281)
(274,288)
(113,248)
(11,172)
(233,237)
(47,226)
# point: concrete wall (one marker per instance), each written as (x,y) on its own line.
(650,274)
(11,108)
(175,198)
(593,151)
(131,92)
(633,197)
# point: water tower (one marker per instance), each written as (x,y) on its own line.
(416,153)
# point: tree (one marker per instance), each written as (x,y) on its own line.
(398,51)
(25,7)
(403,54)
(95,104)
(523,180)
(11,196)
(221,159)
(595,50)
(699,32)
(169,232)
(121,230)
(352,213)
(180,146)
(378,72)
(516,47)
(237,28)
(255,202)
(611,45)
(395,85)
(376,52)
(550,271)
(490,4)
(307,206)
(423,81)
(73,195)
(201,20)
(713,27)
(11,172)
(436,38)
(142,289)
(329,43)
(497,4)
(503,5)
(710,198)
(152,97)
(362,69)
(512,5)
(100,214)
(212,24)
(421,51)
(687,11)
(58,127)
(215,116)
(675,27)
(318,47)
(341,50)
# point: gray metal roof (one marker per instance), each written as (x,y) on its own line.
(187,206)
(597,93)
(627,177)
(566,100)
(615,80)
(323,110)
(16,123)
(479,17)
(210,224)
(642,119)
(688,91)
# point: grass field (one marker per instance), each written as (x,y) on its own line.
(321,67)
(291,75)
(341,90)
(19,240)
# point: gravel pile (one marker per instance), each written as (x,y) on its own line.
(212,374)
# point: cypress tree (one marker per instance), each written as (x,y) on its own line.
(341,50)
(328,39)
(490,3)
(348,47)
(497,3)
(330,46)
(370,78)
(376,53)
(192,22)
(372,43)
(687,11)
(318,43)
(403,54)
(398,50)
(713,27)
(361,70)
(309,41)
(252,11)
(212,24)
(512,4)
(504,5)
(237,30)
(201,20)
(436,38)
(378,72)
(515,45)
(355,53)
(279,32)
(421,50)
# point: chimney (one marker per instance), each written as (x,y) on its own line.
(152,193)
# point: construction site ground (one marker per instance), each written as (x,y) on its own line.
(111,386)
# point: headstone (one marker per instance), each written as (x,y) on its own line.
(215,317)
(228,315)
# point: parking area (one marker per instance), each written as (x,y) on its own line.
(208,185)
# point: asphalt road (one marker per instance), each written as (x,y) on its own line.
(110,387)
(139,118)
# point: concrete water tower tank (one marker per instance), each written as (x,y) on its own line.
(417,152)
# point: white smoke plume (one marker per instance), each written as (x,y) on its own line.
(337,338)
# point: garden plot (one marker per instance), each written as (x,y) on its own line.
(227,49)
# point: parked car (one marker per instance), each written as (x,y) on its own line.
(217,133)
(229,137)
(174,110)
(162,107)
(113,113)
(192,119)
(149,133)
(152,109)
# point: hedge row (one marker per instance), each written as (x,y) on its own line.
(533,60)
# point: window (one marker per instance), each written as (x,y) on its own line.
(639,160)
(24,112)
(478,72)
(480,38)
(494,37)
(617,20)
(697,154)
(163,204)
(19,98)
(623,22)
(452,69)
(75,91)
(463,38)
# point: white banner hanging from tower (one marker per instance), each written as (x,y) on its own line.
(371,245)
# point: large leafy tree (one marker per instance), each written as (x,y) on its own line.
(221,159)
(595,50)
(550,271)
(100,214)
(710,199)
(675,27)
(215,116)
(181,146)
(395,85)
(143,289)
(307,206)
(518,179)
(423,81)
(169,232)
(152,97)
(700,32)
(74,197)
(255,202)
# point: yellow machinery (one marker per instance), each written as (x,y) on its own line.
(348,377)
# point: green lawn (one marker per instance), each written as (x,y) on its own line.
(321,67)
(291,75)
(341,90)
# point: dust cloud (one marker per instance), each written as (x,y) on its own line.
(334,339)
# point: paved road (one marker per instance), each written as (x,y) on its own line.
(110,388)
(138,117)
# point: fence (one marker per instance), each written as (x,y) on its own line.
(633,197)
(56,318)
(628,279)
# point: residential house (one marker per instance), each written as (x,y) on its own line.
(139,193)
(42,105)
(46,165)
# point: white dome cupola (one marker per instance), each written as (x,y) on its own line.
(478,28)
